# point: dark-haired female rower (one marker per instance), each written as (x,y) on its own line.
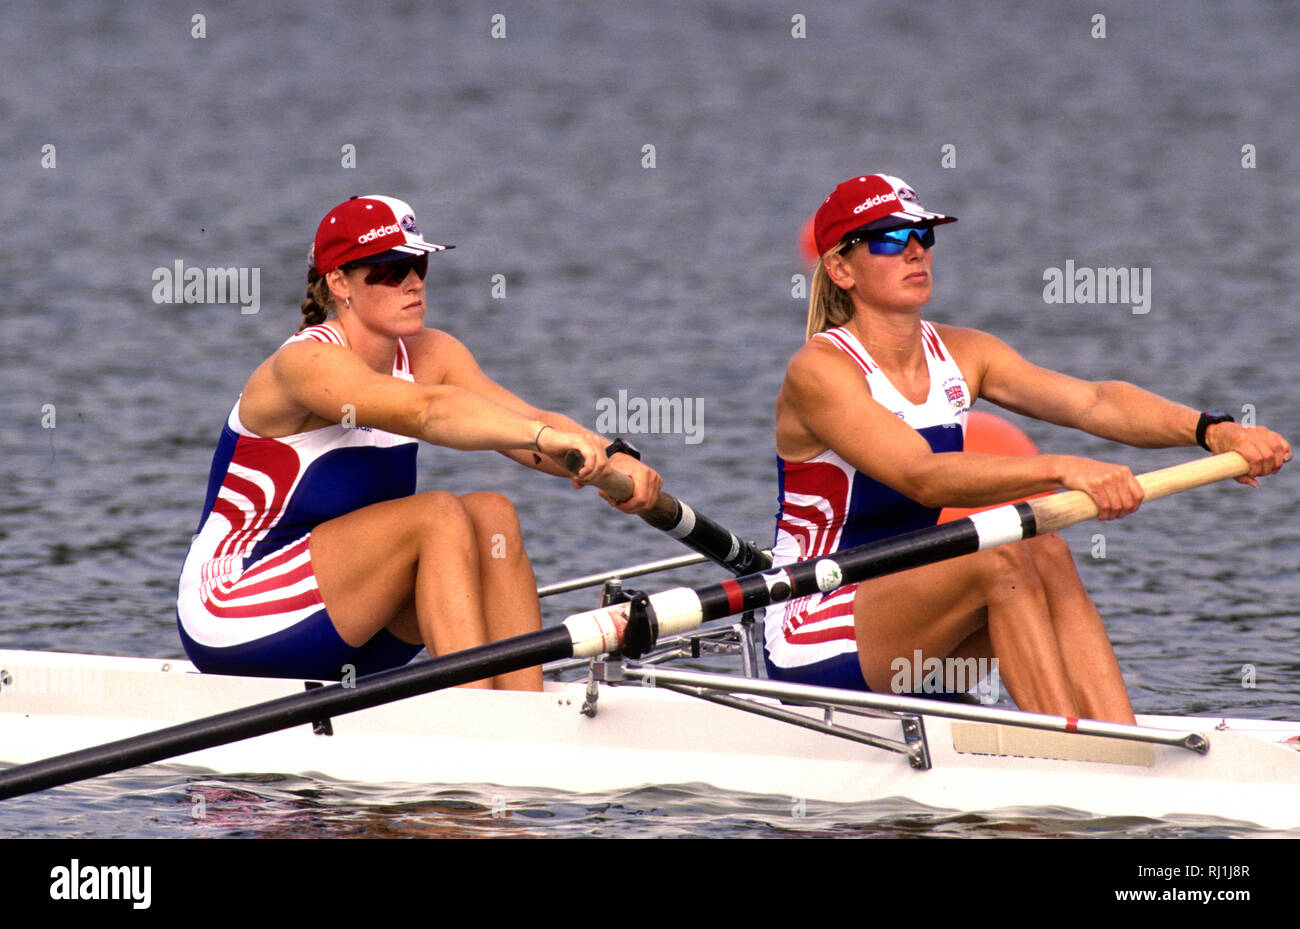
(314,557)
(869,424)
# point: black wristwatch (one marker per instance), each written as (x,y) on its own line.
(618,445)
(1208,419)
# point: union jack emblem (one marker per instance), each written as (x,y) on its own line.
(956,396)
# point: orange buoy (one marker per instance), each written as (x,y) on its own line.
(808,242)
(991,435)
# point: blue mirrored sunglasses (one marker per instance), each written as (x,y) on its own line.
(890,241)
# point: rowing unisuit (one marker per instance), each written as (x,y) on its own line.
(249,602)
(827,505)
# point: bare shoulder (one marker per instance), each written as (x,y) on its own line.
(818,363)
(973,350)
(804,388)
(432,341)
(305,357)
(272,403)
(820,381)
(963,340)
(435,353)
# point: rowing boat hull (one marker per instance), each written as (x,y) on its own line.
(56,703)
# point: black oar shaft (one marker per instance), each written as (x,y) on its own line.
(677,519)
(703,535)
(851,566)
(296,709)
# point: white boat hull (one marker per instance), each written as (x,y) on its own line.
(51,704)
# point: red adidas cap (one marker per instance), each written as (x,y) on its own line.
(366,226)
(873,201)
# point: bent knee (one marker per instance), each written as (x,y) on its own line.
(1049,549)
(1010,558)
(1009,564)
(491,512)
(442,511)
(1056,566)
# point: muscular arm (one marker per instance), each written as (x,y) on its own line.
(825,403)
(1113,410)
(459,369)
(455,366)
(335,385)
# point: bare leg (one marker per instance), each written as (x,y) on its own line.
(977,644)
(976,653)
(1090,663)
(509,587)
(411,565)
(938,607)
(1052,649)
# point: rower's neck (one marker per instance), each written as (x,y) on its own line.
(379,352)
(893,341)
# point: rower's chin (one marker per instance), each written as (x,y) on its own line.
(913,298)
(411,322)
(918,293)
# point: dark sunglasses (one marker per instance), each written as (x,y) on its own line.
(393,273)
(891,241)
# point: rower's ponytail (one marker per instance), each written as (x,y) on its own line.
(316,305)
(828,304)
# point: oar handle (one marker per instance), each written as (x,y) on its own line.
(1074,506)
(666,511)
(677,519)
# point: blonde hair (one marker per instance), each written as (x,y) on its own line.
(829,305)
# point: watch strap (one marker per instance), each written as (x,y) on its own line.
(1208,419)
(619,445)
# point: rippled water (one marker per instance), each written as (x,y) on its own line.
(280,806)
(671,281)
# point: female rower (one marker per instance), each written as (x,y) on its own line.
(869,422)
(315,558)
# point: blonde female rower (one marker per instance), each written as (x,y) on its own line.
(314,556)
(869,422)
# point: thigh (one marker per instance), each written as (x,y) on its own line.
(365,561)
(937,609)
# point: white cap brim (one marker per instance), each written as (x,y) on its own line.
(420,248)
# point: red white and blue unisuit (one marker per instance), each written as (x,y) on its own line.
(827,505)
(249,602)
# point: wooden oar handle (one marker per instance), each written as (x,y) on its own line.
(666,511)
(1074,506)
